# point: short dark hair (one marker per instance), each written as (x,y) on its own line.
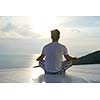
(55,31)
(55,34)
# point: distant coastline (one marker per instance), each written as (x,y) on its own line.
(91,58)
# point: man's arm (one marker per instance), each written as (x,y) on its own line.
(40,58)
(69,58)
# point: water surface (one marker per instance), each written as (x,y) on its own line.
(19,69)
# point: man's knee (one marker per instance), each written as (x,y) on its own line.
(67,63)
(41,64)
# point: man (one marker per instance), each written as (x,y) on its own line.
(53,53)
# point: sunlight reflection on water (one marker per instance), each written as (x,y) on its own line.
(75,74)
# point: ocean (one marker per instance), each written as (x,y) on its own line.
(16,61)
(19,69)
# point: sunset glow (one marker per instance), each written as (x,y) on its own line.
(42,24)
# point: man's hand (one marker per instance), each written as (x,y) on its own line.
(74,58)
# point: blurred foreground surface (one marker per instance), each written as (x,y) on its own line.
(76,74)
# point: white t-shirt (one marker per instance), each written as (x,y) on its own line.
(53,56)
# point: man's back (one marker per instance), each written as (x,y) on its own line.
(53,53)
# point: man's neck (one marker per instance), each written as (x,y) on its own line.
(54,41)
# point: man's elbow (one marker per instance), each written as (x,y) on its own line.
(40,58)
(37,59)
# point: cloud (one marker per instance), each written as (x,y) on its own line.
(75,32)
(12,34)
(81,21)
(70,27)
(70,33)
(15,27)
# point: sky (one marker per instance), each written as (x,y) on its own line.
(28,34)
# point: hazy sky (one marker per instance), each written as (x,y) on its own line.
(27,34)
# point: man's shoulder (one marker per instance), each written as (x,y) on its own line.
(46,45)
(62,45)
(50,44)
